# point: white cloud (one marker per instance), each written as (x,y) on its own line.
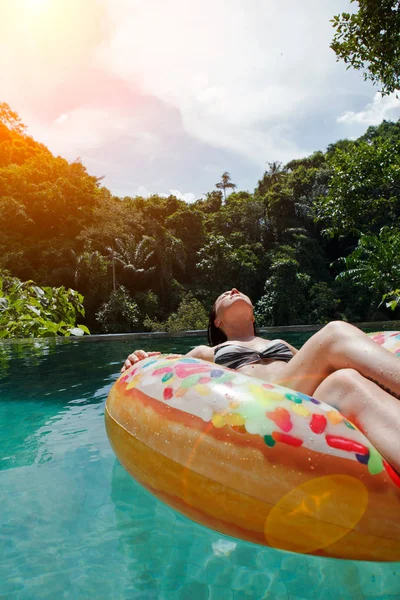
(145,193)
(188,197)
(240,77)
(387,107)
(85,129)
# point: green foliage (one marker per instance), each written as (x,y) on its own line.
(369,40)
(119,314)
(60,228)
(286,292)
(323,304)
(364,189)
(392,299)
(375,262)
(27,310)
(190,315)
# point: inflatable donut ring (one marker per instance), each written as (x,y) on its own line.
(254,460)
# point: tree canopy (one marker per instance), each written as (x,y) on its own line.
(369,40)
(159,262)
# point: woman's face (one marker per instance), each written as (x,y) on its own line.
(232,301)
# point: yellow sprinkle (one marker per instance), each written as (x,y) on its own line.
(335,417)
(201,389)
(218,420)
(264,396)
(300,409)
(234,419)
(134,382)
(234,404)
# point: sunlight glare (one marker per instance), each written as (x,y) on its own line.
(36,4)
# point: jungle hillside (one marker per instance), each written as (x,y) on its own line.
(316,239)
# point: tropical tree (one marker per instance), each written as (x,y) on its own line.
(285,298)
(225,183)
(364,190)
(369,39)
(119,314)
(134,258)
(375,263)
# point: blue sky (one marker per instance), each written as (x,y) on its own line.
(162,97)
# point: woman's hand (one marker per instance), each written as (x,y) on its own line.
(135,357)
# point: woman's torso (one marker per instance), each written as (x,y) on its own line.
(268,369)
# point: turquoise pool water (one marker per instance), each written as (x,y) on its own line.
(74,525)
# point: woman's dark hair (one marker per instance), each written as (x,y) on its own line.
(216,336)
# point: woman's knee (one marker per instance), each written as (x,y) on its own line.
(341,382)
(337,330)
(334,340)
(343,390)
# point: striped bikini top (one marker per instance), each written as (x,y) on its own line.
(235,356)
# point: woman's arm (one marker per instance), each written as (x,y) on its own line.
(292,348)
(203,352)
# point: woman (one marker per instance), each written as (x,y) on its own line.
(339,365)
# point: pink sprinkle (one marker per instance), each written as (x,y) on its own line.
(204,379)
(184,370)
(162,371)
(281,417)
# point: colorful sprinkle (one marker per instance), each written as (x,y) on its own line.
(318,423)
(204,380)
(134,381)
(234,419)
(201,389)
(168,393)
(190,381)
(269,440)
(180,392)
(294,398)
(151,362)
(167,377)
(335,417)
(161,371)
(216,373)
(286,439)
(186,370)
(363,458)
(281,417)
(349,425)
(218,420)
(375,463)
(263,396)
(341,443)
(314,400)
(301,410)
(268,386)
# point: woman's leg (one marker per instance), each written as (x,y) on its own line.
(336,346)
(375,412)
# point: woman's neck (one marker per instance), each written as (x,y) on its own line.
(242,332)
